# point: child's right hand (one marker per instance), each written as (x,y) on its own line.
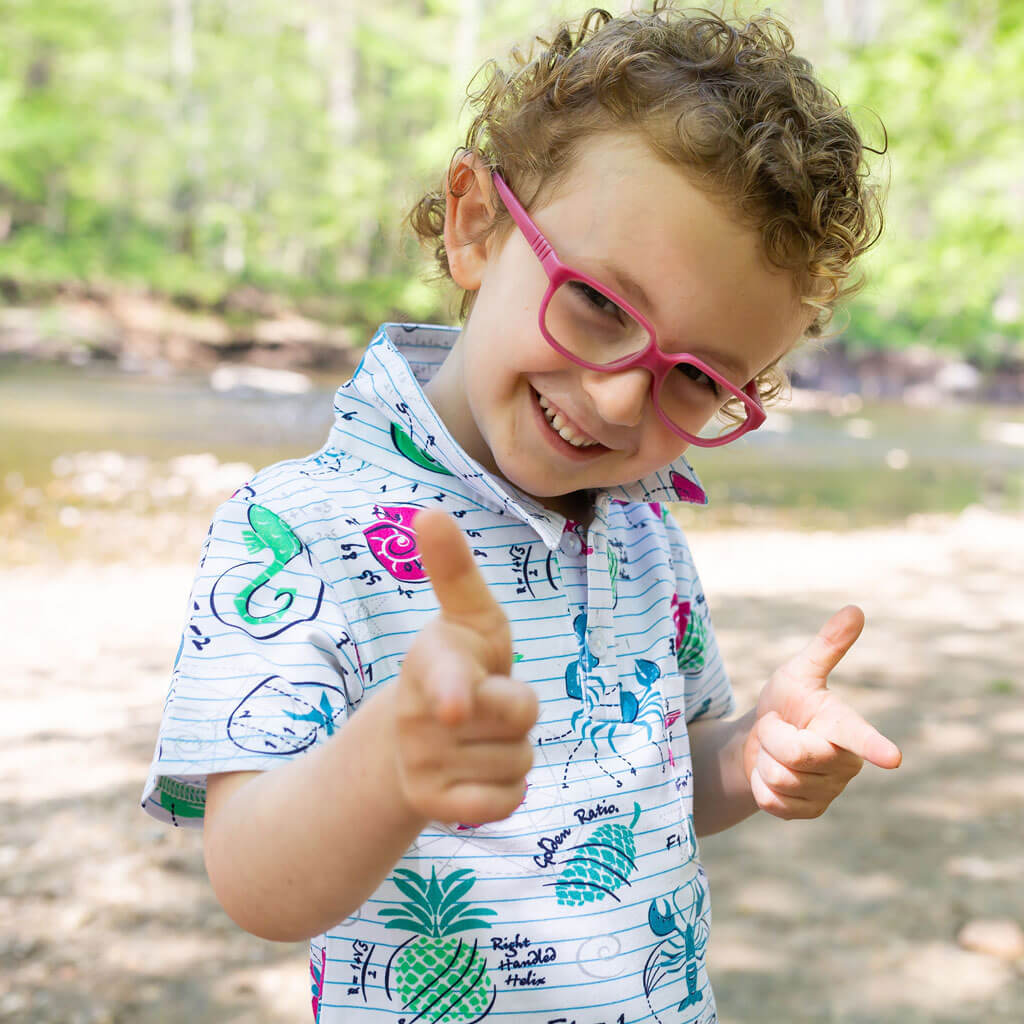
(462,720)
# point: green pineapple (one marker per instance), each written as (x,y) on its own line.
(600,865)
(439,977)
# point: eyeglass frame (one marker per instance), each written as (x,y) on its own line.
(650,358)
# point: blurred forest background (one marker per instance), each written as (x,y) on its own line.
(201,223)
(196,146)
(195,193)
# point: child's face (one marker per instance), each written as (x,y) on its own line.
(710,292)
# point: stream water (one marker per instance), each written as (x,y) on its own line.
(842,463)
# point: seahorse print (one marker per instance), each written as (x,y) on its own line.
(393,542)
(268,532)
(243,598)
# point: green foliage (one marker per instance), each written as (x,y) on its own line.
(194,146)
(946,77)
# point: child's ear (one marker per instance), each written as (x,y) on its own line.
(468,211)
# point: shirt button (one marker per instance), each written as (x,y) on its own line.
(598,645)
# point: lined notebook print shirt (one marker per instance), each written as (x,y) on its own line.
(587,904)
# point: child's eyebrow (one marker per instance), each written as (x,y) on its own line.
(624,282)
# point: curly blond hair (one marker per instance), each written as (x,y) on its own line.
(726,101)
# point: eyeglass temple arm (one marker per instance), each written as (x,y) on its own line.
(537,242)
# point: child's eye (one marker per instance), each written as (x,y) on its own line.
(691,371)
(599,301)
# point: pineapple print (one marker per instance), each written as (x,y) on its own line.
(600,865)
(437,975)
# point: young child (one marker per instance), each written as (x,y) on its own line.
(448,701)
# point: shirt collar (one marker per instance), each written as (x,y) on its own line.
(401,358)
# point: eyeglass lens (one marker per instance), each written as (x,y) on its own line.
(592,327)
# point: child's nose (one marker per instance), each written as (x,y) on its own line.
(619,397)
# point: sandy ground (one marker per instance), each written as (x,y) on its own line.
(106,916)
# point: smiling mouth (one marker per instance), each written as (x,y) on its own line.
(565,430)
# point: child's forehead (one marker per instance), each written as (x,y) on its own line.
(679,253)
(621,206)
(617,185)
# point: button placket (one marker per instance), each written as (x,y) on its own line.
(600,637)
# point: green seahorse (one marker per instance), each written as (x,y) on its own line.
(273,533)
(405,445)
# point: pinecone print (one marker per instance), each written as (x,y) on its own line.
(600,865)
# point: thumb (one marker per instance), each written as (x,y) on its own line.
(813,664)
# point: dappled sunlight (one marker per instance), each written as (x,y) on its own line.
(939,978)
(880,886)
(852,916)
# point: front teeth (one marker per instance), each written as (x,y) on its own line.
(558,421)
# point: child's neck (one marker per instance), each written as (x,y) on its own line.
(577,505)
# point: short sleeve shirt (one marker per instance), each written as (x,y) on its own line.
(588,903)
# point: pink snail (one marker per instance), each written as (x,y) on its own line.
(393,542)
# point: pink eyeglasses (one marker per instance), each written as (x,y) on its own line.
(594,327)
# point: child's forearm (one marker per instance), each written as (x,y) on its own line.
(293,851)
(722,795)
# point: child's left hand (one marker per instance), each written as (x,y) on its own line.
(806,744)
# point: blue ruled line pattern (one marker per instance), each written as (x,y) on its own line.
(588,903)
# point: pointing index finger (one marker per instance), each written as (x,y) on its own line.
(843,727)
